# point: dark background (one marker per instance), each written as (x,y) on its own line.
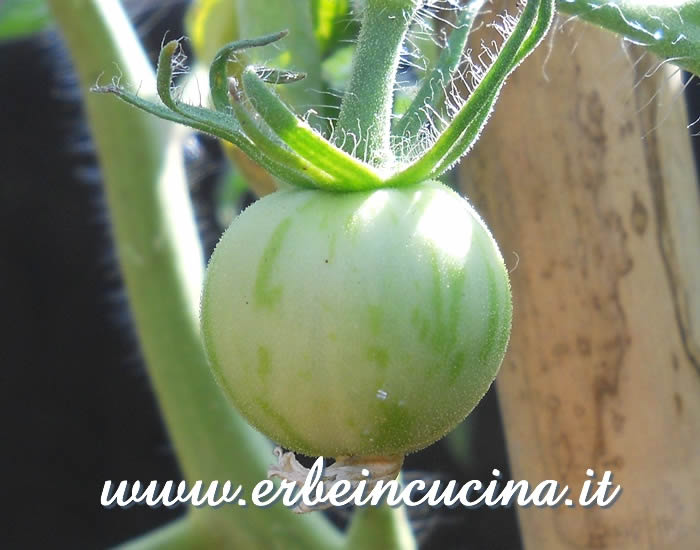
(78,407)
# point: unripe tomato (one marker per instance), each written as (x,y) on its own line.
(362,324)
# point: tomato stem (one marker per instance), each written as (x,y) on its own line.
(364,123)
(380,527)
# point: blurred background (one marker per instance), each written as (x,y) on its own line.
(78,408)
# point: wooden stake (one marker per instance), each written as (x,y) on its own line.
(589,178)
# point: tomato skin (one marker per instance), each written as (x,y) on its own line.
(366,323)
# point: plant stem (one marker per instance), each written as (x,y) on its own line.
(380,527)
(162,264)
(364,123)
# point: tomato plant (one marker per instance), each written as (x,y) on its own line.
(306,312)
(388,361)
(342,169)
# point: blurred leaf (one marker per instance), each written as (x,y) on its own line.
(403,99)
(669,28)
(22,17)
(335,28)
(332,23)
(210,24)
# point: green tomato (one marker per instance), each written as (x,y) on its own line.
(357,324)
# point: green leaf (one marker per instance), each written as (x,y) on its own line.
(19,18)
(670,29)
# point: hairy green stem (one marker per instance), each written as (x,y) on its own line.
(671,30)
(162,264)
(364,123)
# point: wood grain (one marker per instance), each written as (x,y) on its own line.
(588,176)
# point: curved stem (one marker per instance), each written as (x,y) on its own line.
(162,264)
(301,52)
(225,97)
(218,75)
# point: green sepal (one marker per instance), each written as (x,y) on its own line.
(471,134)
(218,73)
(461,132)
(351,173)
(226,102)
(219,124)
(432,90)
(301,50)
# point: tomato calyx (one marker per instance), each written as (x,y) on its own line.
(356,470)
(251,116)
